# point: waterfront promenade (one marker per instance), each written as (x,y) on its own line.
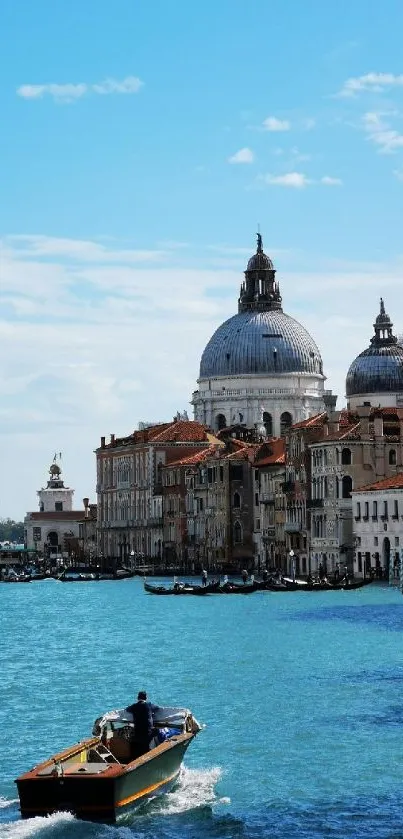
(301,697)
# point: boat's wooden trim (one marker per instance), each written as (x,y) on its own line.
(113,769)
(146,791)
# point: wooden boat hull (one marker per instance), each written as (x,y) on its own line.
(186,590)
(100,791)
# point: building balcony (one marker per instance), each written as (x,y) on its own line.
(293,526)
(267,499)
(374,518)
(314,503)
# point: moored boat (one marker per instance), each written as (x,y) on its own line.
(179,588)
(97,780)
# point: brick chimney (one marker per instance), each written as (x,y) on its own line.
(102,442)
(363,412)
(378,425)
(112,438)
(86,502)
(334,422)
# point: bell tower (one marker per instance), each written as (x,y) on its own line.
(55,497)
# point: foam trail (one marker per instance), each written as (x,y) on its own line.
(34,827)
(195,788)
(7,802)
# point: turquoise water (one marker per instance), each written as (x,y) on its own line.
(301,695)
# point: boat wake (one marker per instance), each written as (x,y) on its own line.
(43,826)
(194,789)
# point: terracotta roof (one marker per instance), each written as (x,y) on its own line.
(275,454)
(195,458)
(395,482)
(311,422)
(64,515)
(186,431)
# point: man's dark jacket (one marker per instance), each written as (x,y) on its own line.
(143,719)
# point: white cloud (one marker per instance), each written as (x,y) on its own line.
(379,132)
(242,156)
(372,82)
(295,180)
(78,249)
(274,124)
(327,180)
(65,93)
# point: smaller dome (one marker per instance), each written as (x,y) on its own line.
(260,261)
(379,368)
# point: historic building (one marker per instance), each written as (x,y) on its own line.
(130,487)
(375,377)
(269,506)
(358,448)
(54,530)
(261,365)
(378,527)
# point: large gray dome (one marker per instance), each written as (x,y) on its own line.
(260,342)
(379,368)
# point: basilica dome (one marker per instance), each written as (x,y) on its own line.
(264,343)
(261,368)
(379,368)
(261,339)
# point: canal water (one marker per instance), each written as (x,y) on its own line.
(301,697)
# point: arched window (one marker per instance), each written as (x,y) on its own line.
(268,423)
(392,457)
(346,458)
(237,532)
(53,539)
(347,484)
(285,423)
(221,422)
(237,500)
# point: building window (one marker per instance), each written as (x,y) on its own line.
(237,500)
(395,509)
(268,424)
(392,457)
(257,524)
(347,485)
(359,562)
(237,533)
(366,510)
(285,423)
(396,541)
(374,510)
(376,541)
(221,422)
(385,510)
(346,457)
(358,511)
(256,499)
(221,474)
(59,506)
(41,507)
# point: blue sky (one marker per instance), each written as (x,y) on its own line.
(141,145)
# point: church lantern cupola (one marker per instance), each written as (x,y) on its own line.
(259,291)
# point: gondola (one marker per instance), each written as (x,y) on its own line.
(324,585)
(234,588)
(178,589)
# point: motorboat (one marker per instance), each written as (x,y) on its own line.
(97,780)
